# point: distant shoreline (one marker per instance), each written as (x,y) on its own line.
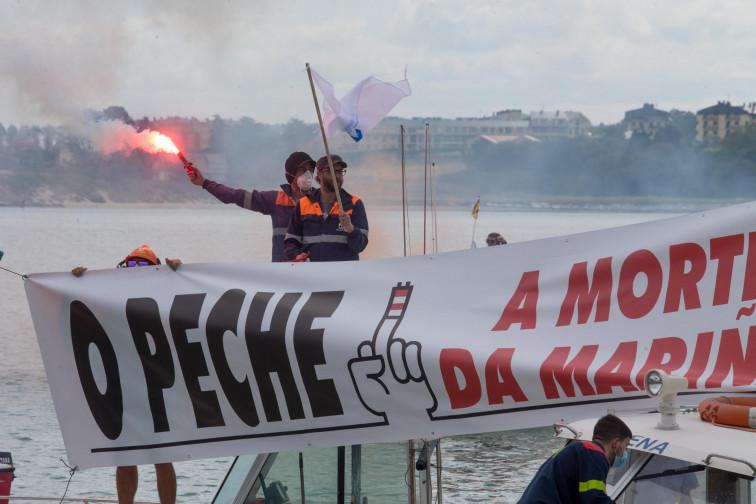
(530,203)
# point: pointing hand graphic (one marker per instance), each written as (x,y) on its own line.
(378,390)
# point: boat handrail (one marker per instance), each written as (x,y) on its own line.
(707,461)
(82,500)
(558,426)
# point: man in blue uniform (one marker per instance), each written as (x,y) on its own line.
(576,474)
(278,204)
(321,230)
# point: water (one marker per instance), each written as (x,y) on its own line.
(490,467)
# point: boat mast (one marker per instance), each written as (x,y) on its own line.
(434,208)
(425,190)
(404,191)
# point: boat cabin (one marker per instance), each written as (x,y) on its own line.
(675,457)
(357,474)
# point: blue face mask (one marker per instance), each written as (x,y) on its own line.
(619,461)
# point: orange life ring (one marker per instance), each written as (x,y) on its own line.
(736,412)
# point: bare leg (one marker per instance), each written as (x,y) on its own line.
(166,483)
(127,478)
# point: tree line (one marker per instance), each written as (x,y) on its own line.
(608,163)
(612,163)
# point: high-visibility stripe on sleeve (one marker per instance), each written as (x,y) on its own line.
(308,240)
(585,486)
(293,237)
(279,231)
(248,200)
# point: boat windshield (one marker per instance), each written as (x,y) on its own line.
(664,480)
(234,479)
(359,474)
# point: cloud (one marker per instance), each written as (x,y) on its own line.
(238,58)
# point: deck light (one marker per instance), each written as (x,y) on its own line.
(660,384)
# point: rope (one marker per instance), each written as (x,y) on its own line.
(71,472)
(11,271)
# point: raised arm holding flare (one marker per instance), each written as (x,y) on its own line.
(279,204)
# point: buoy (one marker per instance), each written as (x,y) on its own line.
(739,412)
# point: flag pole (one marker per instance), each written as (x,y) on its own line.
(476,209)
(325,140)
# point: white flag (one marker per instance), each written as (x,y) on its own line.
(362,108)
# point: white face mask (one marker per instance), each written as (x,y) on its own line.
(305,181)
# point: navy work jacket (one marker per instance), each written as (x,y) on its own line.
(576,474)
(322,236)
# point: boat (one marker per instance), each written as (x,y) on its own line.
(677,458)
(674,457)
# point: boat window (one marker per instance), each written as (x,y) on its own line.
(668,481)
(615,475)
(352,474)
(234,479)
(727,487)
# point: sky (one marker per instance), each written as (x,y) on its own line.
(463,58)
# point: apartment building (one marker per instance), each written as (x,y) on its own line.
(714,123)
(450,135)
(546,124)
(648,120)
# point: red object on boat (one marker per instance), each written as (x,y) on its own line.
(6,475)
(735,412)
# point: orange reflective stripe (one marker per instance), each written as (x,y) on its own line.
(307,207)
(283,199)
(335,207)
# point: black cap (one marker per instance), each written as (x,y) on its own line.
(322,163)
(296,159)
(496,238)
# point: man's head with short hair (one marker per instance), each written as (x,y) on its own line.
(610,427)
(613,434)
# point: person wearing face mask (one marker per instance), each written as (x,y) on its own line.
(321,231)
(577,472)
(279,204)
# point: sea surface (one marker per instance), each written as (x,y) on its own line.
(488,467)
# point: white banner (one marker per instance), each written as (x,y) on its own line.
(150,365)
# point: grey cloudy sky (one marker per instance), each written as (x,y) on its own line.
(464,58)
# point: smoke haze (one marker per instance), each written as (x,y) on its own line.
(60,58)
